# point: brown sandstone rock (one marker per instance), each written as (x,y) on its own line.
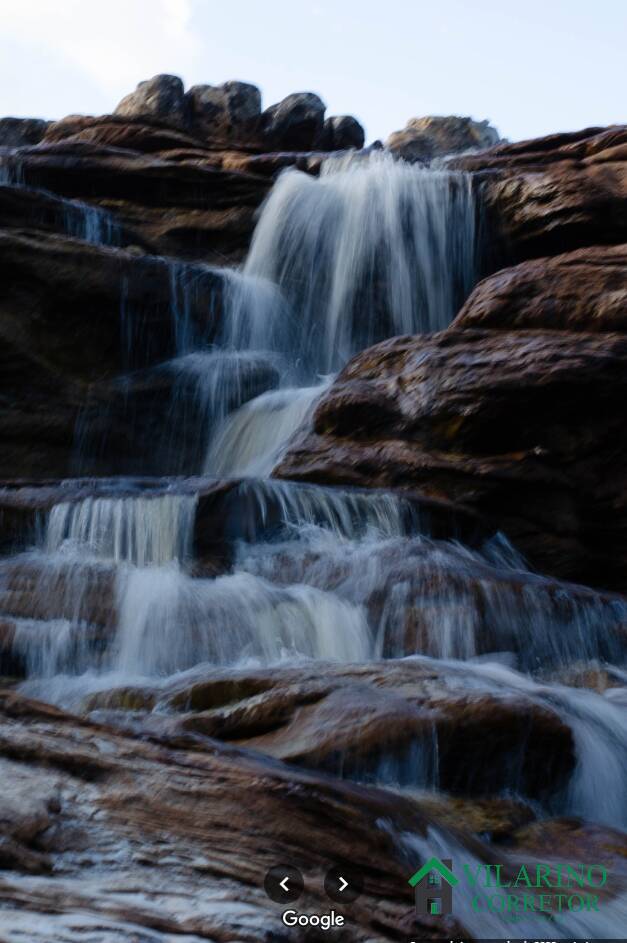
(15,132)
(195,834)
(294,123)
(554,194)
(358,720)
(188,208)
(585,290)
(520,425)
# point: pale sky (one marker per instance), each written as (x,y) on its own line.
(530,66)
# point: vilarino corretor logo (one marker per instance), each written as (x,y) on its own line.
(433,885)
(510,890)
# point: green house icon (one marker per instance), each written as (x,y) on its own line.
(433,885)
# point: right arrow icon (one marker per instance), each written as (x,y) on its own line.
(343,886)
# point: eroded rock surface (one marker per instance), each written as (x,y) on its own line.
(521,425)
(193,832)
(554,194)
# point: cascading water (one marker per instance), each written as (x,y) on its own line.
(371,248)
(121,589)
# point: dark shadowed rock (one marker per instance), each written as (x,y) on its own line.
(585,290)
(14,132)
(423,139)
(339,133)
(294,123)
(160,97)
(524,426)
(190,208)
(229,110)
(62,302)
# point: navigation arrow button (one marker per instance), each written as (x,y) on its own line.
(343,886)
(284,884)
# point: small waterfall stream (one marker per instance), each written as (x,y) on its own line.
(116,592)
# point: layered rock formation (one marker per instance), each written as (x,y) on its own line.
(512,410)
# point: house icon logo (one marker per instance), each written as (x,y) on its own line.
(434,884)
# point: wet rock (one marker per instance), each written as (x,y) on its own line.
(340,133)
(423,139)
(189,208)
(62,300)
(195,834)
(498,819)
(520,425)
(585,290)
(554,194)
(14,132)
(573,840)
(380,721)
(294,123)
(160,97)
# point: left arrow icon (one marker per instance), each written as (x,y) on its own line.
(284,884)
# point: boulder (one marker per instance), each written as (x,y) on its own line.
(423,139)
(230,110)
(295,123)
(585,290)
(341,133)
(15,132)
(397,721)
(524,426)
(162,97)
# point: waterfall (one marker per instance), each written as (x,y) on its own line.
(371,248)
(132,583)
(143,531)
(252,440)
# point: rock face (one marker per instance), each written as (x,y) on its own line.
(554,194)
(14,132)
(190,208)
(584,290)
(423,139)
(70,316)
(357,720)
(161,97)
(520,425)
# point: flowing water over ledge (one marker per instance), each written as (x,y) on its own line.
(116,594)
